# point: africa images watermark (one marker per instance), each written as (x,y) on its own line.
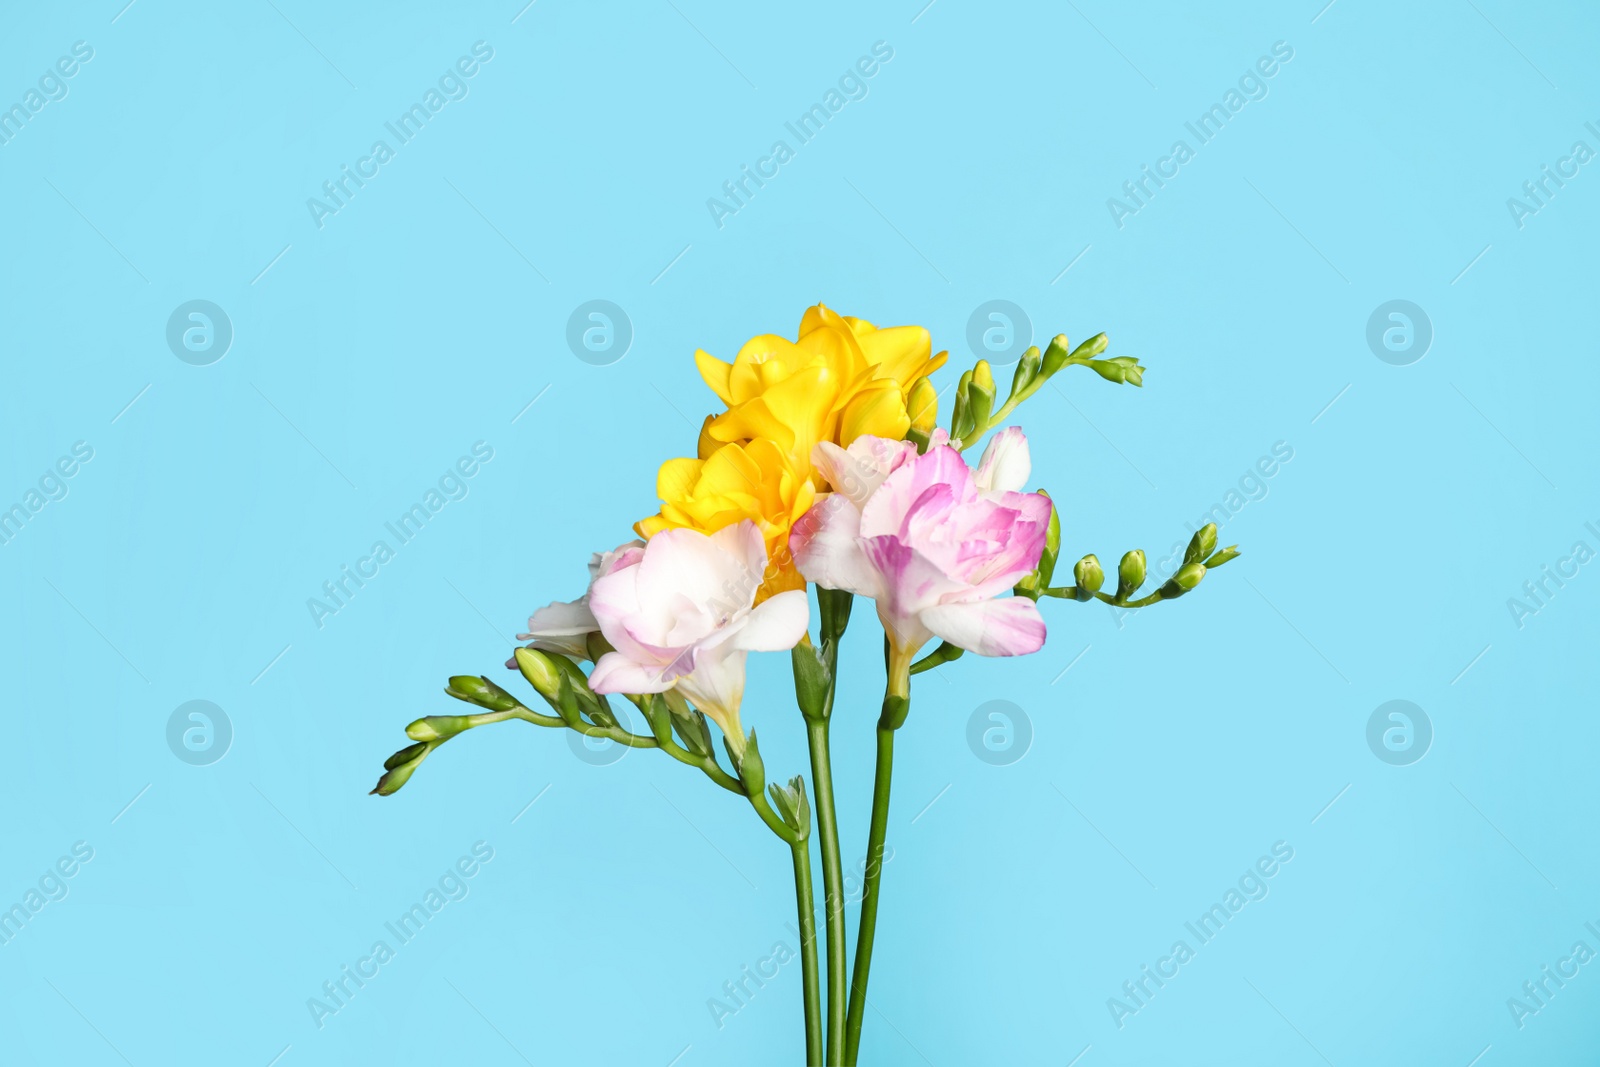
(1252,87)
(1551,580)
(51,88)
(452,886)
(1541,190)
(1137,993)
(852,85)
(452,86)
(52,487)
(753,978)
(452,485)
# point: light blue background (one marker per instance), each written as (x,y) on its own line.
(370,353)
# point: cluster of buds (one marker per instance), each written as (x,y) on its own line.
(975,413)
(1088,576)
(675,728)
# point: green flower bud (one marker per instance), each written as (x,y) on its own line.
(1088,577)
(1202,544)
(1187,578)
(1092,347)
(482,692)
(980,396)
(398,768)
(961,411)
(1052,544)
(1130,574)
(1055,357)
(1027,371)
(438,727)
(541,671)
(1219,558)
(1123,369)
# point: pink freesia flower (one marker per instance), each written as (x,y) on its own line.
(564,625)
(933,543)
(681,615)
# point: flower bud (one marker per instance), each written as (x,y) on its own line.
(1219,558)
(1055,357)
(1122,369)
(482,692)
(398,768)
(540,671)
(438,727)
(923,406)
(1088,577)
(1092,347)
(980,396)
(1202,544)
(1052,544)
(1027,372)
(1187,578)
(1130,574)
(961,421)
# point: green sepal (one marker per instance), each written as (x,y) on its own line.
(792,805)
(751,770)
(811,680)
(834,606)
(1219,558)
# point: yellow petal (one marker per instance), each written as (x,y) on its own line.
(716,373)
(880,412)
(677,478)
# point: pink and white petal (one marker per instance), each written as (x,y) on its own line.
(681,572)
(614,600)
(716,684)
(561,618)
(911,580)
(858,471)
(616,673)
(776,624)
(826,545)
(1011,626)
(1006,464)
(887,509)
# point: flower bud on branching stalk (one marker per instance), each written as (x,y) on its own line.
(1202,544)
(1130,575)
(1186,579)
(1087,577)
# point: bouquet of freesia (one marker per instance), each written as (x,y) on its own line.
(828,468)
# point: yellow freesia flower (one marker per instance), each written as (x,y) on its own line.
(843,377)
(751,480)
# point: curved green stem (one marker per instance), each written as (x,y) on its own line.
(832,881)
(808,951)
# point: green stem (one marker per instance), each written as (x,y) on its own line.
(832,881)
(808,950)
(870,894)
